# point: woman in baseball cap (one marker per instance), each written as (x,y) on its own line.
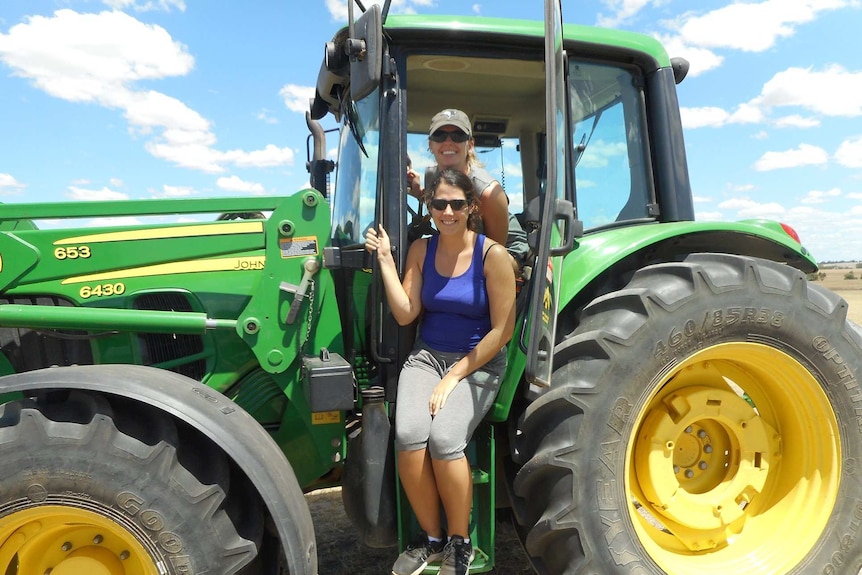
(450,139)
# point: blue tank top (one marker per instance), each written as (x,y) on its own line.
(456,314)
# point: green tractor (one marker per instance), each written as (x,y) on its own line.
(679,399)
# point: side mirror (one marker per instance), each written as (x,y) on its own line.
(364,48)
(680,69)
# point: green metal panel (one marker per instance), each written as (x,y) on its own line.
(611,38)
(224,274)
(597,252)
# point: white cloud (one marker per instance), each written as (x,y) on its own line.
(740,25)
(748,209)
(88,57)
(116,182)
(599,153)
(9,185)
(736,188)
(832,91)
(193,156)
(81,194)
(796,121)
(804,155)
(849,153)
(151,109)
(296,98)
(708,116)
(235,184)
(746,114)
(752,26)
(827,242)
(268,157)
(338,8)
(265,116)
(819,197)
(737,204)
(715,117)
(169,191)
(146,6)
(477,8)
(700,59)
(622,11)
(828,234)
(708,216)
(98,58)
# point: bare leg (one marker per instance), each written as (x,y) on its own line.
(455,484)
(417,478)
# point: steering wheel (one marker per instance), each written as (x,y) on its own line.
(420,225)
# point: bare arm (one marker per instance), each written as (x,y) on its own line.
(404,297)
(500,282)
(494,208)
(414,185)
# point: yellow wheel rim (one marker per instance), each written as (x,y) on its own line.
(734,463)
(69,541)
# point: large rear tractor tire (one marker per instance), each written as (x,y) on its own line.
(99,484)
(703,420)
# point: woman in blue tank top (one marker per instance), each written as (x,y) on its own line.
(461,287)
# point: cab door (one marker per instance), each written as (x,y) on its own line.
(556,233)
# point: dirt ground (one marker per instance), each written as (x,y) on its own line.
(341,553)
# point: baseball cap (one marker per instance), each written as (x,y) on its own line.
(451,117)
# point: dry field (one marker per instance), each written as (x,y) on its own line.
(341,553)
(850,290)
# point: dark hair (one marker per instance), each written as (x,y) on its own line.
(463,182)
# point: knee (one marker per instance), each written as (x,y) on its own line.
(444,446)
(409,437)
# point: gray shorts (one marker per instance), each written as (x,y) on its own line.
(447,433)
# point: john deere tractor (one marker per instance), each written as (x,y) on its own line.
(679,398)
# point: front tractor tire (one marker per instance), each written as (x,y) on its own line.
(704,419)
(99,484)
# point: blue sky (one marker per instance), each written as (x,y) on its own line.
(115,99)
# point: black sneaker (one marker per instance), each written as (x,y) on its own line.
(457,557)
(417,555)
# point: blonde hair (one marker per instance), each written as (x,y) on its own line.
(472,158)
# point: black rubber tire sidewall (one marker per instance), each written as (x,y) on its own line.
(142,487)
(597,402)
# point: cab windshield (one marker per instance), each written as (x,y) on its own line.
(356,173)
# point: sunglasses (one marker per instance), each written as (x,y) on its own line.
(456,136)
(440,205)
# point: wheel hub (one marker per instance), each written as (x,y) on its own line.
(90,560)
(736,443)
(59,540)
(691,469)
